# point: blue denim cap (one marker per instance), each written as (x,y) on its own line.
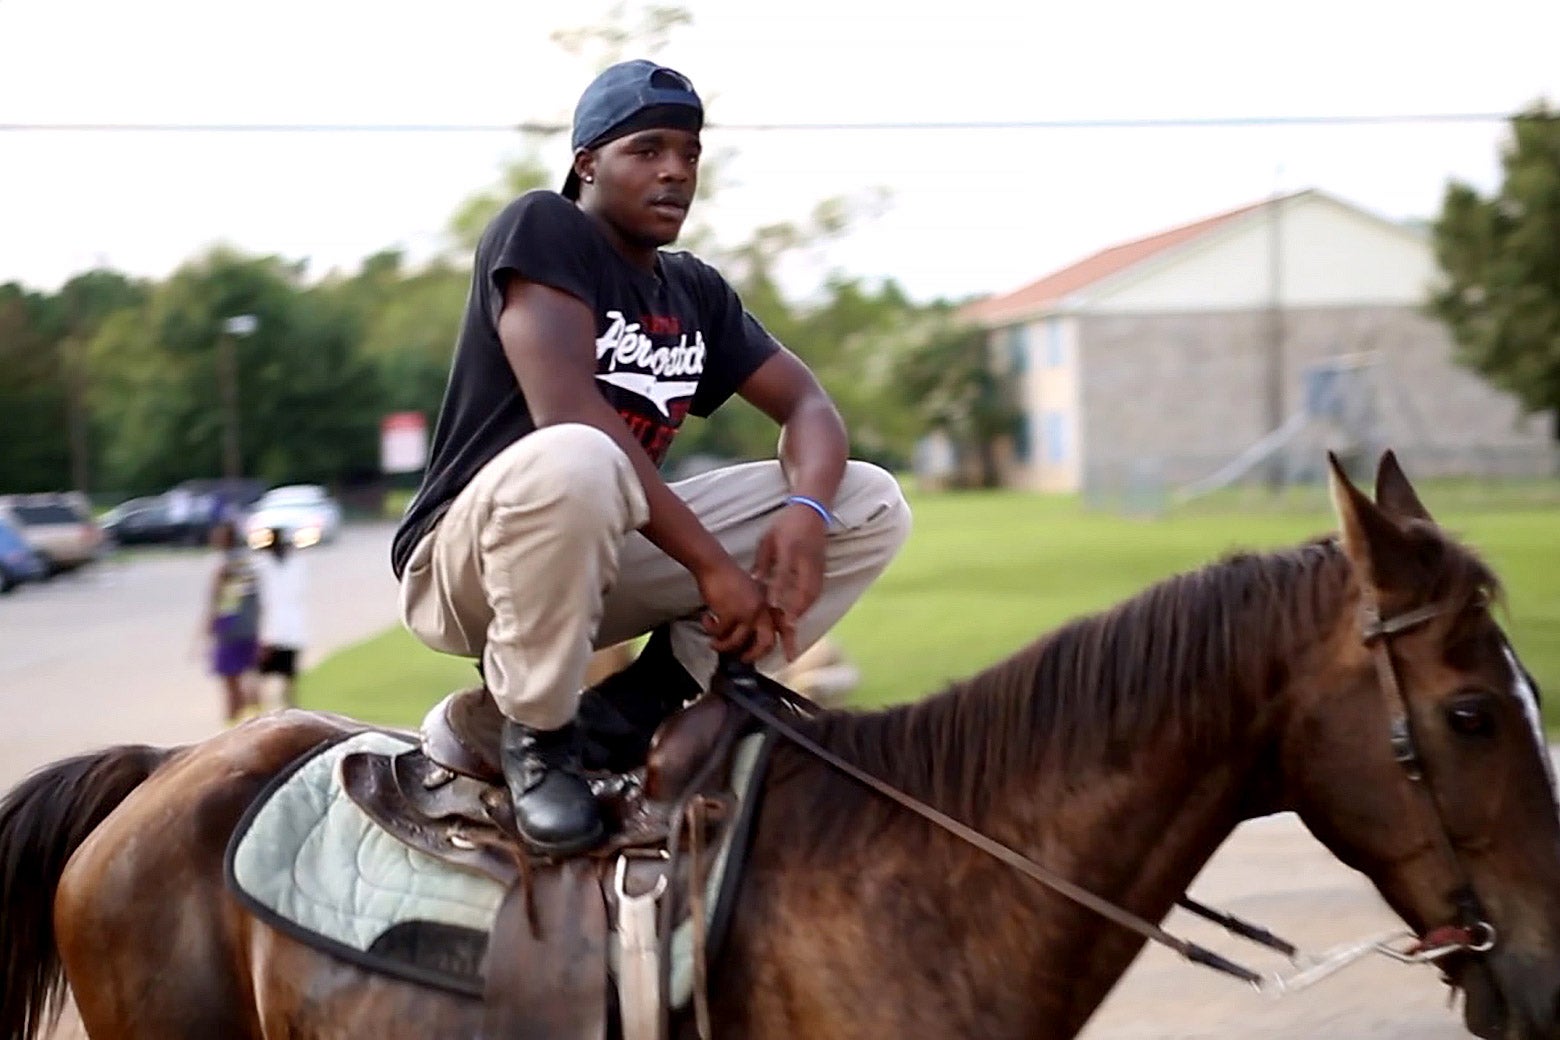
(607,108)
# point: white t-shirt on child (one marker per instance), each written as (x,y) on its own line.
(283,587)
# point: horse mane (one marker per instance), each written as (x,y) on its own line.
(1190,656)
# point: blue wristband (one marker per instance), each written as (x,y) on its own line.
(813,504)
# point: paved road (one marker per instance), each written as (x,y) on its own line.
(1274,873)
(107,657)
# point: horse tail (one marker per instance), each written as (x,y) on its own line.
(42,822)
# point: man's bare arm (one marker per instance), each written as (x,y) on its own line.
(549,339)
(813,441)
(813,452)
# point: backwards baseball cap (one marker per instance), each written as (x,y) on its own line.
(629,97)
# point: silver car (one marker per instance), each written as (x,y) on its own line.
(306,512)
(59,527)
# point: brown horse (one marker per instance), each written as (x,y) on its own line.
(1119,751)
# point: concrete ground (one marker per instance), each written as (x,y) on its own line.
(1272,872)
(109,656)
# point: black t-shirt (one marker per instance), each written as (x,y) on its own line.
(667,344)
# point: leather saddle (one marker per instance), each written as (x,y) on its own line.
(545,973)
(462,734)
(448,799)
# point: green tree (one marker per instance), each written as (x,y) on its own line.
(946,379)
(45,421)
(79,310)
(1501,260)
(406,322)
(32,396)
(307,403)
(857,340)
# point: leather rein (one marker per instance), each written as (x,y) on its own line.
(1472,933)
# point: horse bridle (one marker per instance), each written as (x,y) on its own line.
(1472,933)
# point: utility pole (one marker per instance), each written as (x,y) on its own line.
(227,379)
(1275,336)
(73,363)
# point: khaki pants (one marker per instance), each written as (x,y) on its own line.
(539,561)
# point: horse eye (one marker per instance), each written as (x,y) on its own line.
(1470,718)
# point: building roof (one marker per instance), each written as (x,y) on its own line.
(1053,288)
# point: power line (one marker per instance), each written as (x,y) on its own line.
(278,128)
(1149,123)
(1130,123)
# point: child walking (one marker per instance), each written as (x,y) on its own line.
(283,617)
(233,622)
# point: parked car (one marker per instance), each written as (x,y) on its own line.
(306,512)
(155,520)
(218,496)
(58,527)
(19,564)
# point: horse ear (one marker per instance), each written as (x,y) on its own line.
(1373,543)
(1395,494)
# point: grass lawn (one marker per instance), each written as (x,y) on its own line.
(987,572)
(390,678)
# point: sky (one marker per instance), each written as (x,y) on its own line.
(967,211)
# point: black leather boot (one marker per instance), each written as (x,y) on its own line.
(620,714)
(555,811)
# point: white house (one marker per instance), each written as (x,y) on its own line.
(1172,355)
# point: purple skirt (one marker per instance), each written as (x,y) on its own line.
(235,656)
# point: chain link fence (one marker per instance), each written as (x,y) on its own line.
(1515,476)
